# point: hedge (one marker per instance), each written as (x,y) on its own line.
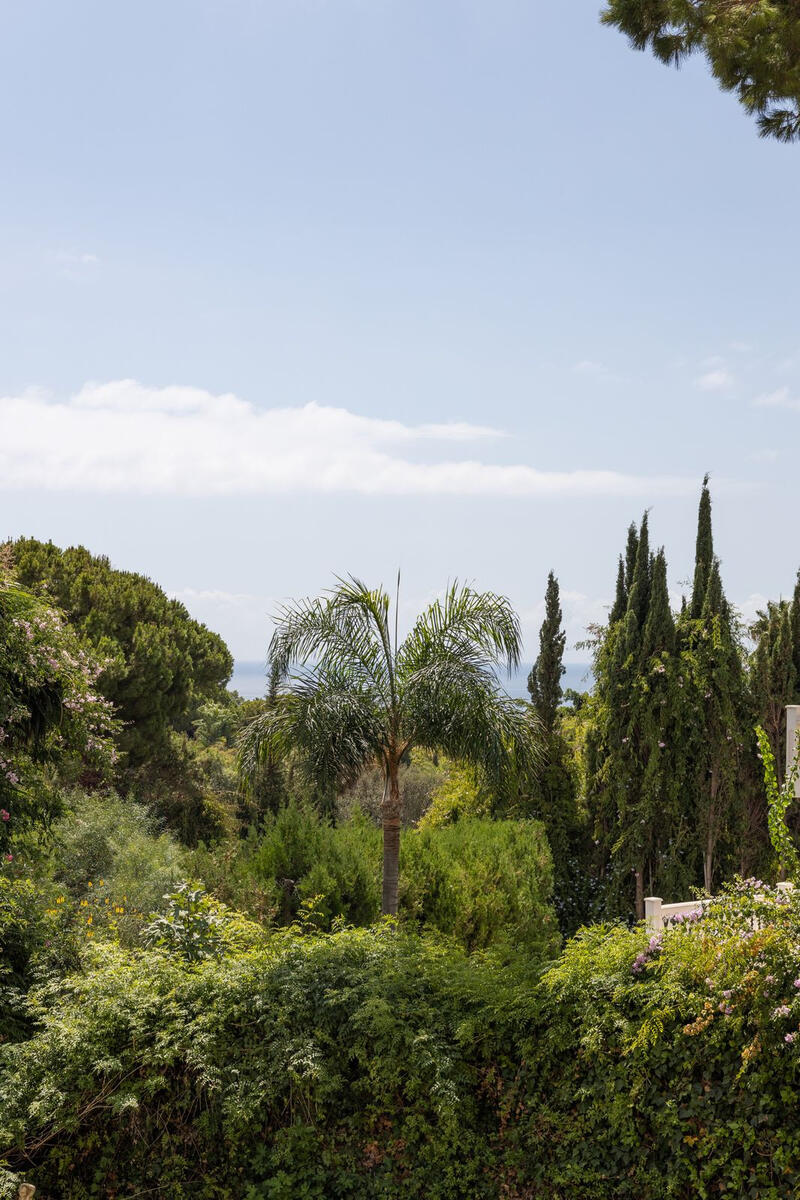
(378,1063)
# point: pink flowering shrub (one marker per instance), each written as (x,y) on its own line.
(50,710)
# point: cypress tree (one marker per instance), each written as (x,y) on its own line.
(544,681)
(639,594)
(659,630)
(795,628)
(714,602)
(554,791)
(773,675)
(621,596)
(704,552)
(631,549)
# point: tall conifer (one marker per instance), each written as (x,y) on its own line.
(795,624)
(631,548)
(620,596)
(639,594)
(704,552)
(544,680)
(554,794)
(659,630)
(773,674)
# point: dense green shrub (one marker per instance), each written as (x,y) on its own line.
(482,881)
(376,1063)
(110,845)
(337,1067)
(21,933)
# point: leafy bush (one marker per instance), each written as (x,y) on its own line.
(481,881)
(375,1063)
(192,789)
(108,844)
(195,928)
(21,934)
(324,1067)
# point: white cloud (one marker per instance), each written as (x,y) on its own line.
(71,259)
(781,398)
(122,437)
(717,380)
(588,367)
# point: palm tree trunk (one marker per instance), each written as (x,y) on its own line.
(391,840)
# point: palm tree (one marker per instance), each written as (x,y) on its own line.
(350,696)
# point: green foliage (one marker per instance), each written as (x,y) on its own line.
(22,931)
(486,883)
(375,1063)
(159,662)
(103,837)
(50,714)
(483,882)
(420,779)
(193,789)
(780,798)
(462,793)
(544,681)
(191,927)
(752,47)
(321,1067)
(357,698)
(666,765)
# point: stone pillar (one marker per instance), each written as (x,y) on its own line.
(652,913)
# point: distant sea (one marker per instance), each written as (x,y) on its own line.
(250,679)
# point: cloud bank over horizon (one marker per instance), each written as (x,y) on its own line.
(124,437)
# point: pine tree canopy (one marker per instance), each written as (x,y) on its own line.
(752,47)
(544,681)
(159,660)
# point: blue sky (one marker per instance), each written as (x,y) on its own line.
(300,287)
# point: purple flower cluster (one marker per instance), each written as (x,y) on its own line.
(686,918)
(644,956)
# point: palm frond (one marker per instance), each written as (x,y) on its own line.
(479,625)
(335,636)
(458,707)
(336,728)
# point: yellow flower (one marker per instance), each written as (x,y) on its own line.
(84,903)
(88,920)
(90,883)
(60,900)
